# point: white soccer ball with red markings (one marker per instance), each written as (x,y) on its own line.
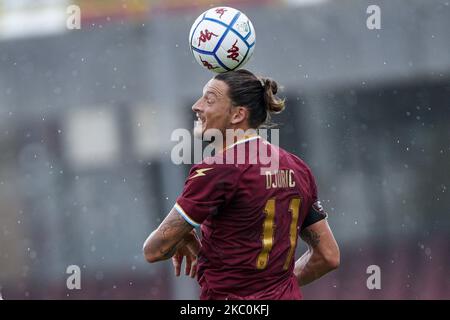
(222,39)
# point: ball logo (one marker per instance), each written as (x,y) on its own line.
(205,36)
(243,27)
(207,64)
(220,11)
(233,52)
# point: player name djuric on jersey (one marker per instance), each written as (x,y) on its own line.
(229,148)
(283,178)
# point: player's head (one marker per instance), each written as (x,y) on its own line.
(236,100)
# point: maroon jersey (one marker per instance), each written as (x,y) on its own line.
(250,220)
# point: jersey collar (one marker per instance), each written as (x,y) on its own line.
(245,139)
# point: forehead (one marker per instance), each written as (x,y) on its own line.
(217,87)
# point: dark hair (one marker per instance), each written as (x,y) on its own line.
(258,94)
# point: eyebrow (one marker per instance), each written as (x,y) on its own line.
(211,92)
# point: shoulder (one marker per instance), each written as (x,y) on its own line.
(300,165)
(296,159)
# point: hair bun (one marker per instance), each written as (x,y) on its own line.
(273,103)
(269,83)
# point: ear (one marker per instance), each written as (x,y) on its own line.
(239,114)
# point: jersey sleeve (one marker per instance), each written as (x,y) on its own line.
(315,211)
(207,188)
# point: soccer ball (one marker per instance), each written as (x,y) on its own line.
(222,39)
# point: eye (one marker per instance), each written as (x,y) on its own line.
(209,100)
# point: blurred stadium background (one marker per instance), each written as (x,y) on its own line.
(86,117)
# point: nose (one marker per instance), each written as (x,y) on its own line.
(197,106)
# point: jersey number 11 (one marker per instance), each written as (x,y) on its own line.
(268,232)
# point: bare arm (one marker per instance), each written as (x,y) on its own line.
(173,233)
(322,256)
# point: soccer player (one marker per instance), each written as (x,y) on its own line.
(250,219)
